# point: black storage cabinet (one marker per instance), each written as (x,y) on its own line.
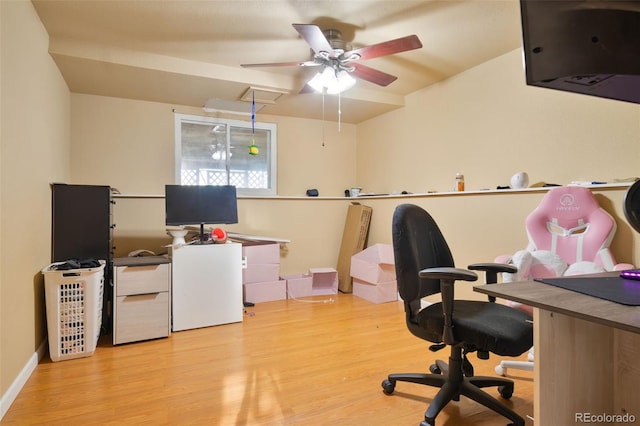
(82,228)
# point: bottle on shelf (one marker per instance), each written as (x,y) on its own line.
(459,187)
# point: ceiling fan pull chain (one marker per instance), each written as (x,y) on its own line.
(339,111)
(323,90)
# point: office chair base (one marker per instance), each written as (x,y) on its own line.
(452,384)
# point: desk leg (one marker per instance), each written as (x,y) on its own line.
(583,369)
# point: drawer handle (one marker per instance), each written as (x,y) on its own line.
(141,296)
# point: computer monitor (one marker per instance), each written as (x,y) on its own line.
(200,205)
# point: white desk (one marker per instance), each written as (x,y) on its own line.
(587,359)
(207,285)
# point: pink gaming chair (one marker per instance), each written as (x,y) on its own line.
(569,234)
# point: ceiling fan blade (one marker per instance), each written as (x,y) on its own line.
(387,48)
(314,37)
(283,64)
(372,75)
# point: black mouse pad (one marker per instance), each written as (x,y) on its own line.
(615,289)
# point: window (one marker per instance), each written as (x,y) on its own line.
(215,151)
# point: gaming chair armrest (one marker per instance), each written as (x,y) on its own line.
(503,258)
(447,277)
(623,266)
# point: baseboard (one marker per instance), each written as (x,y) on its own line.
(12,393)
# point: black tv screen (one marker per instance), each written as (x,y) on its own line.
(583,46)
(200,204)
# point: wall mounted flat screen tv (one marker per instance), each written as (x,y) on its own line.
(200,204)
(583,46)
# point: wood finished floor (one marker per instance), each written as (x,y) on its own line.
(289,363)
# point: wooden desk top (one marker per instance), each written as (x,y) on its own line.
(567,302)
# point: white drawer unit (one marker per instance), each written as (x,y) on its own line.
(142,298)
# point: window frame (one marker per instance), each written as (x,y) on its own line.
(272,128)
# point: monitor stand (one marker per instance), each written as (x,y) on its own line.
(202,238)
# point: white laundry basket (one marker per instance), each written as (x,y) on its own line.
(74,310)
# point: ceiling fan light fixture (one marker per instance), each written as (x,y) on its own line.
(331,81)
(343,82)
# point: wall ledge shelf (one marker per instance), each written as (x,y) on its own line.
(603,186)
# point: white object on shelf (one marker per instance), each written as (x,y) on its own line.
(520,180)
(207,285)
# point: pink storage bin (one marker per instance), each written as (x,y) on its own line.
(376,293)
(299,285)
(261,252)
(324,281)
(257,273)
(265,291)
(374,264)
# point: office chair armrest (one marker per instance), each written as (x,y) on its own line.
(447,277)
(491,271)
(493,267)
(455,274)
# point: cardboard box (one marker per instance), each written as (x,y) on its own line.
(265,291)
(261,273)
(376,293)
(374,264)
(299,285)
(260,252)
(354,239)
(324,281)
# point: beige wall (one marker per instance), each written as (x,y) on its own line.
(489,125)
(129,145)
(34,152)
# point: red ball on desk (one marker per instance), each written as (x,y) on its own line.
(219,235)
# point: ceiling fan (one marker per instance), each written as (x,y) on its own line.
(331,53)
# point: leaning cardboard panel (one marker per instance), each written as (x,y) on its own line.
(354,239)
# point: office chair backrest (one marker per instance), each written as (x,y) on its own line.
(417,244)
(570,223)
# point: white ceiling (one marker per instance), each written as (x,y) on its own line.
(184,52)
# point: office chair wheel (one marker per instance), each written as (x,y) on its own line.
(434,369)
(425,423)
(388,386)
(506,391)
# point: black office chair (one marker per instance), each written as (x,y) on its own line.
(424,266)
